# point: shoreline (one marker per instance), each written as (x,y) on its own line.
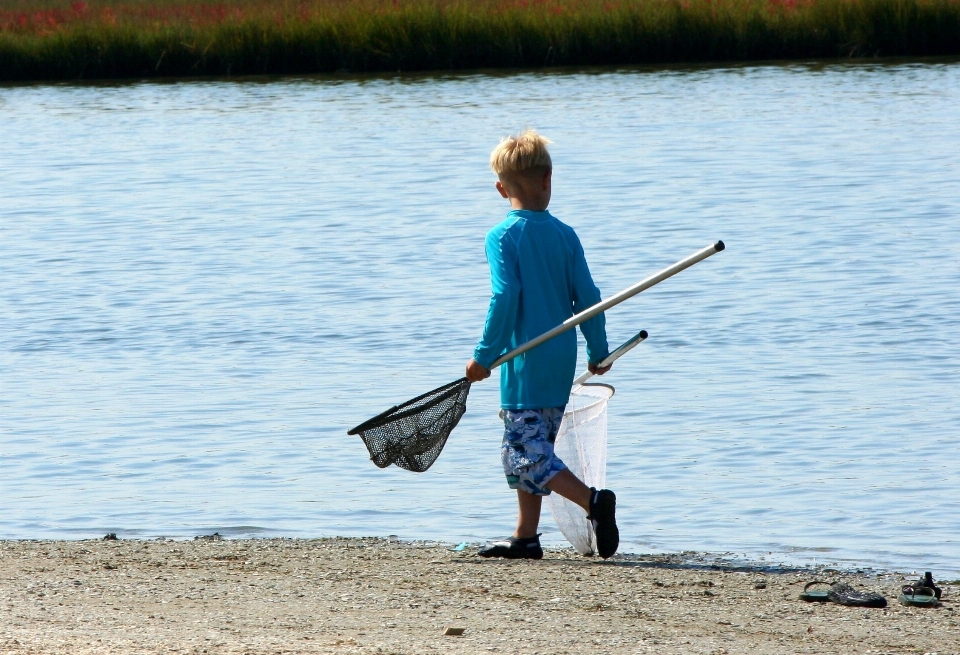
(50,40)
(374,595)
(749,558)
(442,73)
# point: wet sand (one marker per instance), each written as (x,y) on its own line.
(378,596)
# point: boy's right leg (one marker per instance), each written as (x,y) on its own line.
(570,487)
(601,507)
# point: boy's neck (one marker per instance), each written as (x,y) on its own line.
(524,191)
(516,203)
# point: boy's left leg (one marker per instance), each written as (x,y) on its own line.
(525,542)
(529,463)
(528,516)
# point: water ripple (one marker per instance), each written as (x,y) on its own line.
(205,284)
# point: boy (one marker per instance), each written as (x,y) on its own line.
(540,278)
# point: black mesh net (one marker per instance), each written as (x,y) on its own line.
(412,435)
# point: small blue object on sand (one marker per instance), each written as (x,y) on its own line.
(462,545)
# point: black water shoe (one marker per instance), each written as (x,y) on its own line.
(603,509)
(843,594)
(514,548)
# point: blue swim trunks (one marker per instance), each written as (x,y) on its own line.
(527,451)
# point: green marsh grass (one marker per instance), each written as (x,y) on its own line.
(50,39)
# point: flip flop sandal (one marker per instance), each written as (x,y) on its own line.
(844,594)
(918,596)
(927,581)
(817,595)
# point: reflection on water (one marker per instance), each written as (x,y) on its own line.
(206,284)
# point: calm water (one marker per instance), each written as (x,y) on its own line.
(204,285)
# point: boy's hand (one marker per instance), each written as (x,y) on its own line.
(475,372)
(596,370)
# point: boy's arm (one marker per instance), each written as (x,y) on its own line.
(504,301)
(585,295)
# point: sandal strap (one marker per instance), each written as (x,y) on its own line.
(813,582)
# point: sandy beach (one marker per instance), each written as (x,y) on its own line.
(382,596)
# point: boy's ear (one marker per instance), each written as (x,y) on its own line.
(547,178)
(503,192)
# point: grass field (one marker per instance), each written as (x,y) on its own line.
(90,39)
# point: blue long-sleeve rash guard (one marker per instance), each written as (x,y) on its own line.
(540,279)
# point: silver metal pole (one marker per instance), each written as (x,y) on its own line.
(604,305)
(626,347)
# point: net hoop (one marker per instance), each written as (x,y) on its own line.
(599,398)
(582,445)
(411,407)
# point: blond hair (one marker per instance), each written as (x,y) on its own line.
(526,153)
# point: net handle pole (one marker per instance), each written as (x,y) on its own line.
(604,305)
(624,348)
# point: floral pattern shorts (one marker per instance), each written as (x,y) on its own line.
(527,451)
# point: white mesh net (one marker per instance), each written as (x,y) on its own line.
(582,445)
